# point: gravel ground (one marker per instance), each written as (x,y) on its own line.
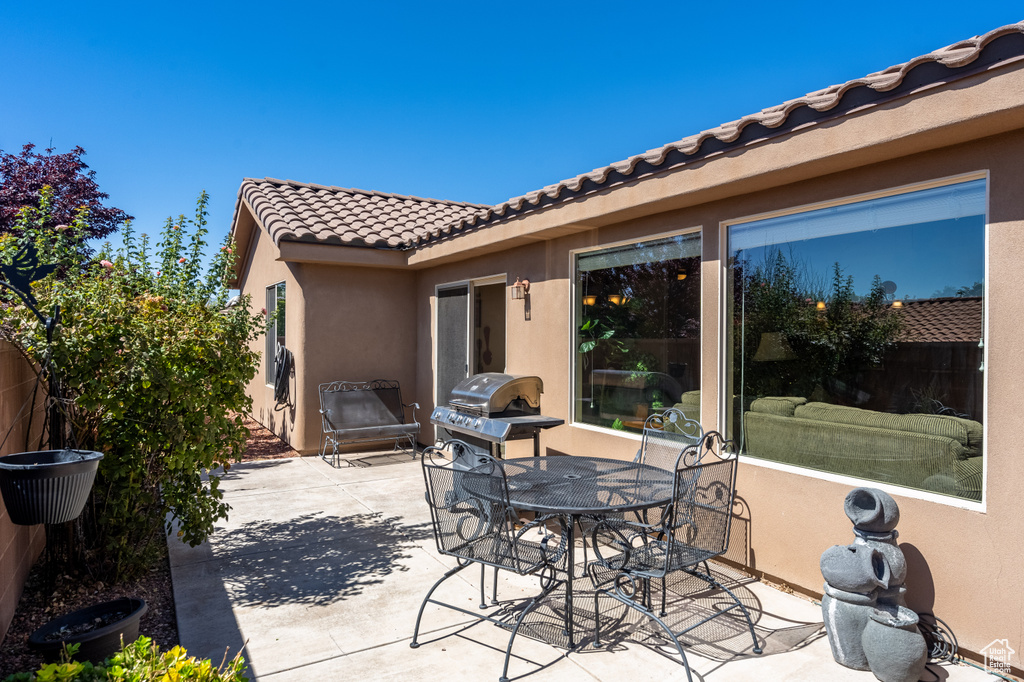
(37,606)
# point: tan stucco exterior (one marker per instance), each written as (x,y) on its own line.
(355,323)
(376,320)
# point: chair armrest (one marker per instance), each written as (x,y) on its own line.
(624,536)
(549,555)
(413,407)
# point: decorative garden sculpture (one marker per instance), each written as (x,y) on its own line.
(868,624)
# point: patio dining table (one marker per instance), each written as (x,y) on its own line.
(574,487)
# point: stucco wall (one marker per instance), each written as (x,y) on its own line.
(961,561)
(19,545)
(360,326)
(964,563)
(341,323)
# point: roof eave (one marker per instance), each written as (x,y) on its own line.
(241,233)
(994,50)
(320,253)
(957,110)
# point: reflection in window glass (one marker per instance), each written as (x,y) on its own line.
(857,336)
(638,331)
(275,328)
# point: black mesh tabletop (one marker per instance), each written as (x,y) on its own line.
(582,485)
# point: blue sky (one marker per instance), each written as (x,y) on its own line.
(469,101)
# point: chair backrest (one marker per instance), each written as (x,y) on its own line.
(390,394)
(467,507)
(667,435)
(354,404)
(702,499)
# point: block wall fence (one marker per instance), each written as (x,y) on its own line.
(20,546)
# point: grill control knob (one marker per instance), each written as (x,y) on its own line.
(476,423)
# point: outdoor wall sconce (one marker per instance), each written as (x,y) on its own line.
(520,289)
(589,300)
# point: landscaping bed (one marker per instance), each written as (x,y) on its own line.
(38,605)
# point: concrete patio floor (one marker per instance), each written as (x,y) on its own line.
(319,572)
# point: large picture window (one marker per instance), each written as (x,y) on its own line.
(637,348)
(857,338)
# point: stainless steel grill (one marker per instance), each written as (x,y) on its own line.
(485,410)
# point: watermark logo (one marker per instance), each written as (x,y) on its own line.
(997,655)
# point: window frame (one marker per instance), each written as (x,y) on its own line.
(271,334)
(575,312)
(725,360)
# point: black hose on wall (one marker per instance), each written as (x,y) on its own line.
(284,362)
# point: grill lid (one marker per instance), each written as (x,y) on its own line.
(491,392)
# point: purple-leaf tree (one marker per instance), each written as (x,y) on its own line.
(23,175)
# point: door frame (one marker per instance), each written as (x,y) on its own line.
(470,284)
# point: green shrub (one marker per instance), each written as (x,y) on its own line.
(154,369)
(140,661)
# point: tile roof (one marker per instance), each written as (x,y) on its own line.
(299,211)
(967,56)
(943,320)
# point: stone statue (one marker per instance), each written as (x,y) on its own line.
(868,623)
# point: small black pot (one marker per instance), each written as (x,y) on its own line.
(98,644)
(47,486)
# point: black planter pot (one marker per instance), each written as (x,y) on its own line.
(47,486)
(97,644)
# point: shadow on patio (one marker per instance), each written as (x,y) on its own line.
(721,639)
(321,558)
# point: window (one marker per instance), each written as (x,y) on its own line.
(856,338)
(638,331)
(275,327)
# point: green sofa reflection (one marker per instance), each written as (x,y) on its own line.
(932,452)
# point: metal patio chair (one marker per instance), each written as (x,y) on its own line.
(667,436)
(668,440)
(473,521)
(690,530)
